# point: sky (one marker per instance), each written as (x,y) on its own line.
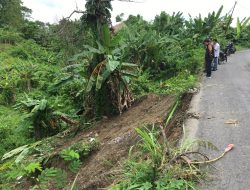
(53,10)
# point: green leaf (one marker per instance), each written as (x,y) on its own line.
(238,29)
(219,12)
(13,152)
(146,186)
(100,47)
(43,104)
(105,74)
(68,154)
(112,64)
(245,23)
(33,166)
(22,155)
(99,82)
(93,50)
(130,73)
(63,81)
(84,54)
(90,84)
(106,36)
(75,166)
(126,79)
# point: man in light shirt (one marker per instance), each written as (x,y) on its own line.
(216,54)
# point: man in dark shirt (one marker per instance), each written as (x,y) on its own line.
(208,56)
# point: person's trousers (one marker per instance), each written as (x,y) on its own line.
(215,63)
(209,68)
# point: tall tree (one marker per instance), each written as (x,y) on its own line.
(11,13)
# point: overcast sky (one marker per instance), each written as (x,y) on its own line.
(53,10)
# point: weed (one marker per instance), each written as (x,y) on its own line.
(156,169)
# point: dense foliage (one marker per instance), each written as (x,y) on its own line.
(55,75)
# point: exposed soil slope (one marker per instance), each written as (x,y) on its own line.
(116,136)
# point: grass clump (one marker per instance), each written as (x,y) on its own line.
(158,166)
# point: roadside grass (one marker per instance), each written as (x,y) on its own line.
(240,48)
(176,85)
(154,165)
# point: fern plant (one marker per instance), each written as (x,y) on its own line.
(20,170)
(54,175)
(75,165)
(32,167)
(73,158)
(68,155)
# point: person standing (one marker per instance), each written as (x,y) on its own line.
(208,57)
(216,54)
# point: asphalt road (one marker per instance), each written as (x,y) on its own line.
(223,97)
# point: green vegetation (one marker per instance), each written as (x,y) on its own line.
(160,166)
(33,163)
(12,128)
(54,77)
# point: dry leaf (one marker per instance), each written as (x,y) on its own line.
(232,121)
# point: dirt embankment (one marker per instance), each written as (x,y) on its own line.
(116,135)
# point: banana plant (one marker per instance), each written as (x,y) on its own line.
(110,72)
(108,76)
(113,72)
(44,121)
(241,25)
(169,24)
(201,28)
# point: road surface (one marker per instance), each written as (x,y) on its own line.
(223,97)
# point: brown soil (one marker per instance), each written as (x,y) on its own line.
(116,136)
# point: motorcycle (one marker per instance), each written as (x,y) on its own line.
(230,49)
(222,57)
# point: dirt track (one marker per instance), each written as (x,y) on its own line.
(227,96)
